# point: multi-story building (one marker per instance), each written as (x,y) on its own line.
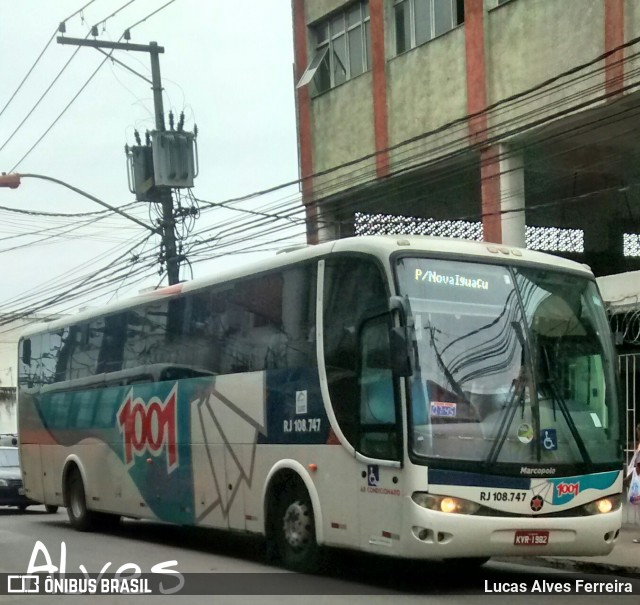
(509,120)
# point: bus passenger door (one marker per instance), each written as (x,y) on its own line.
(379,443)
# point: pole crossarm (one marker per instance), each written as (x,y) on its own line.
(133,71)
(147,48)
(91,197)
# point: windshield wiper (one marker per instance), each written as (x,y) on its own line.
(516,398)
(558,400)
(457,389)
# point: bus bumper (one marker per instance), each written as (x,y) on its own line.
(437,535)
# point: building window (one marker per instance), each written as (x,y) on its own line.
(549,239)
(418,21)
(389,224)
(342,48)
(555,239)
(631,244)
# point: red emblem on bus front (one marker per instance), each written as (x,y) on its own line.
(536,503)
(149,427)
(568,489)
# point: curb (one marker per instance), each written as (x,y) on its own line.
(573,565)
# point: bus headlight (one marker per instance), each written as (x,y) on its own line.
(445,504)
(603,505)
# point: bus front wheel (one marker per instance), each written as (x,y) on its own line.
(294,529)
(80,516)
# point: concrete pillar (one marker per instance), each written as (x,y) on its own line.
(512,197)
(603,249)
(327,225)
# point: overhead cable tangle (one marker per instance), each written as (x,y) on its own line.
(49,237)
(64,280)
(61,214)
(89,196)
(280,229)
(65,294)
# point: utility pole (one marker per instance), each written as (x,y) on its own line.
(160,194)
(164,193)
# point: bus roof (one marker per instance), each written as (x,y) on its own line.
(380,246)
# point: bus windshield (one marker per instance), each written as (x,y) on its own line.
(513,365)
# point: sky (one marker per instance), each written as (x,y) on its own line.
(227,65)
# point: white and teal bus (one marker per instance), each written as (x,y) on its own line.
(408,396)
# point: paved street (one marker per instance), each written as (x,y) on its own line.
(350,578)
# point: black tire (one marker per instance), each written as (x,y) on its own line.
(52,509)
(22,507)
(294,529)
(80,516)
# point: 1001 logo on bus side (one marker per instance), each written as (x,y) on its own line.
(149,427)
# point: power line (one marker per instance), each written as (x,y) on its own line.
(44,94)
(113,14)
(150,15)
(271,221)
(46,132)
(35,63)
(60,214)
(72,292)
(79,91)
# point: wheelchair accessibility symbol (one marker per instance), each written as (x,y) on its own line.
(549,439)
(373,475)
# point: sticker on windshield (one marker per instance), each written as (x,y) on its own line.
(549,439)
(443,409)
(418,326)
(447,279)
(525,433)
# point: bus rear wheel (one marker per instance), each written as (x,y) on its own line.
(80,516)
(294,530)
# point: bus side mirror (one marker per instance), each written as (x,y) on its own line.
(26,351)
(399,338)
(400,357)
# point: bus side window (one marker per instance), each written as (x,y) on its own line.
(378,436)
(63,353)
(353,291)
(112,345)
(29,353)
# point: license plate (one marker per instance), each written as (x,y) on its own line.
(531,538)
(21,491)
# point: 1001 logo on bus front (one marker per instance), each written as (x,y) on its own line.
(149,427)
